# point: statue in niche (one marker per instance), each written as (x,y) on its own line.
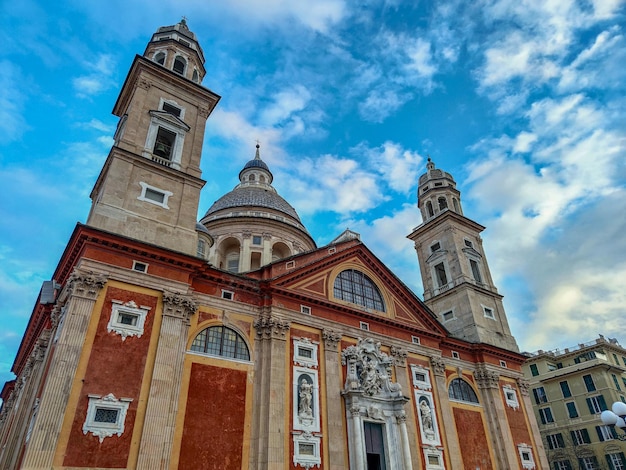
(427,419)
(305,406)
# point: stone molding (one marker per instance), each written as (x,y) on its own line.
(438,365)
(86,285)
(486,378)
(331,339)
(399,356)
(143,83)
(178,306)
(269,327)
(523,385)
(203,110)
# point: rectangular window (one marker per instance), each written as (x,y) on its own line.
(565,389)
(572,412)
(257,239)
(562,465)
(140,267)
(503,364)
(105,415)
(540,395)
(374,445)
(434,247)
(596,404)
(488,312)
(475,271)
(305,309)
(616,461)
(616,382)
(591,387)
(442,277)
(306,449)
(468,243)
(456,355)
(588,463)
(305,352)
(154,195)
(580,437)
(364,326)
(125,318)
(449,315)
(555,441)
(164,143)
(605,433)
(545,415)
(415,340)
(533,370)
(228,295)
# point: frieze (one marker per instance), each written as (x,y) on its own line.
(438,365)
(331,339)
(143,83)
(486,378)
(179,306)
(399,356)
(86,285)
(268,327)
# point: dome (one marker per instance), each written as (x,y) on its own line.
(248,196)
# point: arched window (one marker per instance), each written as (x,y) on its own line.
(159,58)
(455,203)
(179,65)
(195,77)
(443,204)
(462,391)
(354,286)
(429,208)
(221,341)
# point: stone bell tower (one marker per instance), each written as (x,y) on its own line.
(149,187)
(457,282)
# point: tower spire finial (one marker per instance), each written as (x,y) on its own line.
(257,156)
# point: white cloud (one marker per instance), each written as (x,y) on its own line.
(380,104)
(98,79)
(12,101)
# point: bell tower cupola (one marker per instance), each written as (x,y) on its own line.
(458,285)
(149,187)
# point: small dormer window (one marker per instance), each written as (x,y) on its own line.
(159,58)
(179,65)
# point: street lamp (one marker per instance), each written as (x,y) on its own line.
(616,418)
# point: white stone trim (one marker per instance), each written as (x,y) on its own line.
(510,397)
(431,451)
(526,451)
(306,419)
(309,459)
(109,402)
(300,344)
(416,372)
(128,308)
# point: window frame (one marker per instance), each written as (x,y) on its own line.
(208,349)
(459,386)
(356,287)
(100,429)
(145,187)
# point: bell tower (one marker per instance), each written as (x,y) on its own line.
(149,187)
(457,282)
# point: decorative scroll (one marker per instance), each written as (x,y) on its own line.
(179,306)
(86,285)
(268,327)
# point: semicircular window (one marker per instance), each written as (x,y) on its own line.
(354,286)
(460,390)
(221,341)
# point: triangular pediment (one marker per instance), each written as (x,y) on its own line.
(175,121)
(314,276)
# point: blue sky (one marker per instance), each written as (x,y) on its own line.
(522,101)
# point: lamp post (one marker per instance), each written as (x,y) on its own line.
(616,418)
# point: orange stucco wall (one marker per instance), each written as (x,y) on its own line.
(213,430)
(472,439)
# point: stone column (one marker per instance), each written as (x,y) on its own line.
(157,437)
(334,415)
(451,440)
(83,289)
(399,361)
(267,249)
(357,457)
(25,394)
(271,418)
(244,262)
(406,446)
(488,382)
(527,407)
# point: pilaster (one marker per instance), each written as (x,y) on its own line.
(83,289)
(524,386)
(158,431)
(488,382)
(334,415)
(271,423)
(449,426)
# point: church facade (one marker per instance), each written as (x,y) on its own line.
(235,342)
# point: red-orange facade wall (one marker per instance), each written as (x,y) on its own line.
(472,439)
(116,367)
(518,424)
(215,419)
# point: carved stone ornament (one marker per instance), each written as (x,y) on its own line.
(523,385)
(143,83)
(55,316)
(399,356)
(87,285)
(268,327)
(179,306)
(369,370)
(438,365)
(486,378)
(203,110)
(401,417)
(331,339)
